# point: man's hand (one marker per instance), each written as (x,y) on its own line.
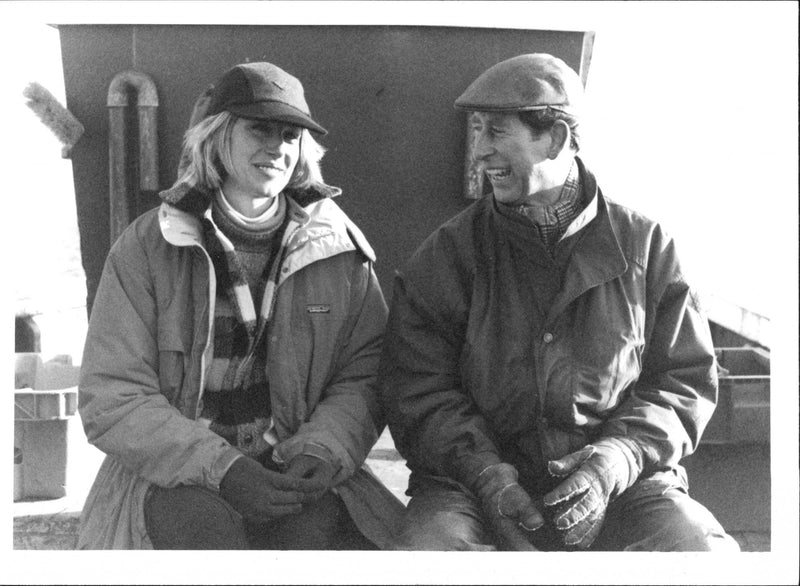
(262,495)
(595,476)
(311,468)
(507,506)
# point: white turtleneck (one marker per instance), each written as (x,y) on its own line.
(256,223)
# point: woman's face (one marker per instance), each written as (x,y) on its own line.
(264,154)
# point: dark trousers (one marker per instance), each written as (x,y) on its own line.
(655,514)
(191,517)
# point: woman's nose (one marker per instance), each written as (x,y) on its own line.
(272,141)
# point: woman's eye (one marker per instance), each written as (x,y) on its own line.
(291,135)
(260,128)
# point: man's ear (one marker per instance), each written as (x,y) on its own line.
(560,135)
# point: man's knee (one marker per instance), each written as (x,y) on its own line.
(695,529)
(656,516)
(441,531)
(440,518)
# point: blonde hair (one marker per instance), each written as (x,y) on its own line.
(207,154)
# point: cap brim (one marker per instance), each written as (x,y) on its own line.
(509,108)
(275,111)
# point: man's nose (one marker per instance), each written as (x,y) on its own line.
(481,146)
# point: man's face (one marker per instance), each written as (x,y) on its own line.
(514,160)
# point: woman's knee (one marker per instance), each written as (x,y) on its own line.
(323,525)
(191,517)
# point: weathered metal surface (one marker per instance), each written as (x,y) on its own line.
(122,87)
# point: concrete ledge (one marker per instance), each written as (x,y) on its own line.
(55,531)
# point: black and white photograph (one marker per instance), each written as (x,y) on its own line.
(403,292)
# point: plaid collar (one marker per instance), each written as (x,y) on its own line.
(552,221)
(553,214)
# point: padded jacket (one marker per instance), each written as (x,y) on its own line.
(150,341)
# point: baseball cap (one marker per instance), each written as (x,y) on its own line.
(533,81)
(262,91)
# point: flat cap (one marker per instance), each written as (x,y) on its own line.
(527,82)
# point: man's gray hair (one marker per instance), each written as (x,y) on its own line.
(543,120)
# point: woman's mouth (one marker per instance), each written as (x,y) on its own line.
(267,168)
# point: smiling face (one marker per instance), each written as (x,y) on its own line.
(513,158)
(263,155)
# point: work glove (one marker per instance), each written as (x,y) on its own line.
(262,495)
(508,507)
(311,468)
(595,476)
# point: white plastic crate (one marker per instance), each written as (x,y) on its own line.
(45,405)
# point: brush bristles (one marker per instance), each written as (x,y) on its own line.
(56,117)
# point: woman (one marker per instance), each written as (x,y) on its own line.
(230,362)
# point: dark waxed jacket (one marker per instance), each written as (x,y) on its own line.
(496,351)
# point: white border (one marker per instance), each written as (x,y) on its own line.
(779,566)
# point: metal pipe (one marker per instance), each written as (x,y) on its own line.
(147,106)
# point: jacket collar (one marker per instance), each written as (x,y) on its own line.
(196,198)
(593,245)
(311,209)
(597,257)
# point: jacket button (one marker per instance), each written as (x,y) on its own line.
(548,337)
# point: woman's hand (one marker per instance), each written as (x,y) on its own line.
(311,468)
(262,495)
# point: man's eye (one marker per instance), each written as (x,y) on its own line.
(490,130)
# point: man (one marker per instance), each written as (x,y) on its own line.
(546,364)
